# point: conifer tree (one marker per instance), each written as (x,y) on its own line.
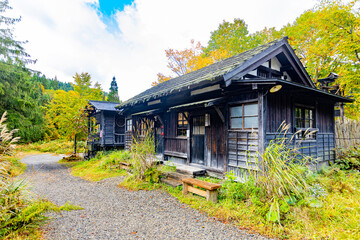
(113,95)
(18,95)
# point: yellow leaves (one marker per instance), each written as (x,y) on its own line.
(66,112)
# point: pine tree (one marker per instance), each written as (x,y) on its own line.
(20,97)
(113,95)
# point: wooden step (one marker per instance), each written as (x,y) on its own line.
(171,182)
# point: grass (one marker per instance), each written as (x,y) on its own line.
(303,205)
(337,218)
(98,168)
(59,146)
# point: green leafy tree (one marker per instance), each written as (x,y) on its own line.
(234,37)
(113,95)
(66,113)
(327,39)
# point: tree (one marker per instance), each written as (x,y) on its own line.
(66,113)
(327,39)
(235,38)
(113,95)
(11,50)
(19,96)
(188,60)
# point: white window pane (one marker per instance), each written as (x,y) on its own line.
(251,122)
(251,109)
(236,123)
(236,111)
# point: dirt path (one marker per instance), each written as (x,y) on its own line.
(114,213)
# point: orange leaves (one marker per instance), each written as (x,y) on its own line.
(161,78)
(191,59)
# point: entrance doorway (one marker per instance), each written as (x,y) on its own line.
(198,140)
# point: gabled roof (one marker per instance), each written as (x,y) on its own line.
(104,106)
(229,68)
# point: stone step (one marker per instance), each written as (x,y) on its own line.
(188,170)
(171,182)
(177,176)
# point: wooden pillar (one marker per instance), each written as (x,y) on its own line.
(262,111)
(188,137)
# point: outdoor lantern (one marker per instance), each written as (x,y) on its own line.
(275,88)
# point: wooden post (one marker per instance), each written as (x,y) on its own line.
(75,144)
(185,188)
(188,137)
(212,195)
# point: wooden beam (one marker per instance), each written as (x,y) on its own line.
(219,113)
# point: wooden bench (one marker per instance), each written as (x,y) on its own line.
(211,192)
(124,165)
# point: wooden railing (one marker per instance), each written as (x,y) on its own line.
(119,138)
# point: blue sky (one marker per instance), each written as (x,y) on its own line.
(107,10)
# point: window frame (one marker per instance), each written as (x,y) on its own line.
(182,127)
(243,115)
(129,125)
(302,129)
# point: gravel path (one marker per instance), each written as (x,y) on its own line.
(111,212)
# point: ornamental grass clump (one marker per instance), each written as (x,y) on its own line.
(281,175)
(143,160)
(17,211)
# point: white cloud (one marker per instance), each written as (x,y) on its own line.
(68,36)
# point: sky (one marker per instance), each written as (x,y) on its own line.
(128,38)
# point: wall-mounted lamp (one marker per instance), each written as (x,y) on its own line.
(275,88)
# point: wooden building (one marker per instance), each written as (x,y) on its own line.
(106,127)
(217,116)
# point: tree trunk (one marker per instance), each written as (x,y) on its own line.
(75,143)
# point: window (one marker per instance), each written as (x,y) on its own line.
(305,122)
(129,125)
(182,124)
(244,116)
(199,125)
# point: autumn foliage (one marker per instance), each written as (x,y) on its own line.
(326,39)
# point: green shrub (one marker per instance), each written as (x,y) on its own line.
(348,159)
(239,191)
(114,157)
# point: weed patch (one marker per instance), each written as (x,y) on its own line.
(99,167)
(59,146)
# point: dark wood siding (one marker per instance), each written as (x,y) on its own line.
(108,129)
(215,139)
(173,144)
(281,108)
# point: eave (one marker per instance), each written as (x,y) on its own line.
(272,82)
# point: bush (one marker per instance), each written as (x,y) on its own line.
(348,159)
(114,157)
(239,191)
